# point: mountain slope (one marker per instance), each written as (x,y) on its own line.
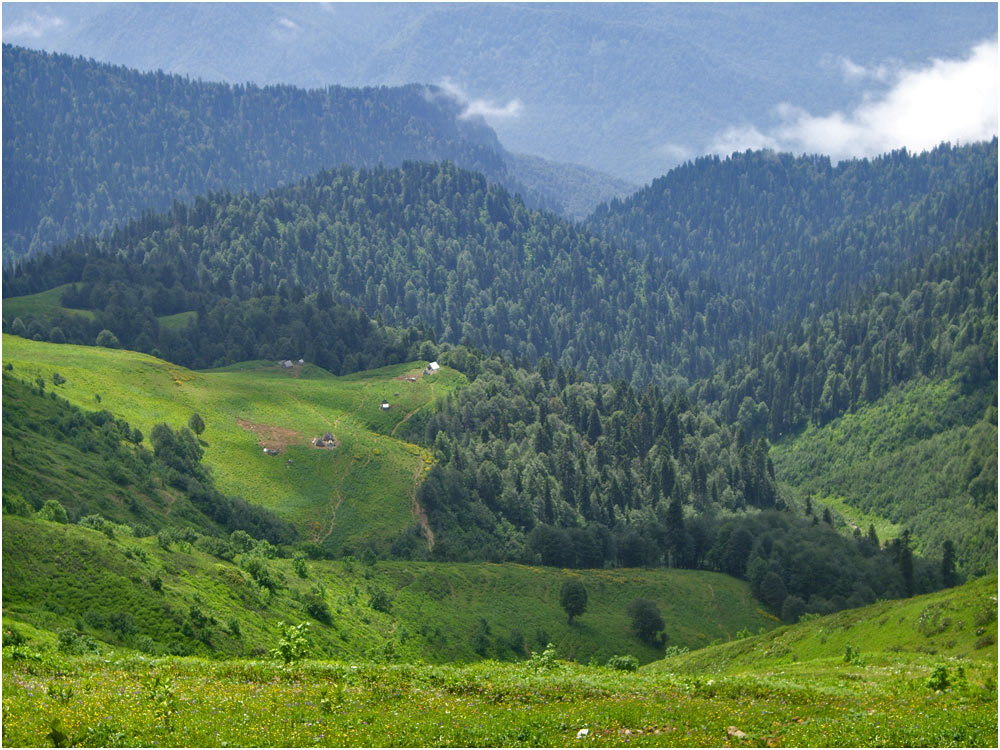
(87,145)
(358,493)
(923,457)
(65,577)
(431,246)
(957,623)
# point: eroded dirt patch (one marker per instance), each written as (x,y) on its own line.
(271,437)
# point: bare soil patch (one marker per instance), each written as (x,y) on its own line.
(271,437)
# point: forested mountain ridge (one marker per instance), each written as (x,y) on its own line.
(439,249)
(87,145)
(789,235)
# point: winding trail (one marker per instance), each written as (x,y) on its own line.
(418,510)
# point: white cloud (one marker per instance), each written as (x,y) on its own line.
(947,100)
(482,107)
(33,28)
(289,24)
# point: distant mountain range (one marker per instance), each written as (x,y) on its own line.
(628,89)
(86,144)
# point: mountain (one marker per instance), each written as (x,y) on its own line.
(431,247)
(631,90)
(170,138)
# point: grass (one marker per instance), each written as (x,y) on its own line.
(43,305)
(360,492)
(882,699)
(957,623)
(848,514)
(177,321)
(58,577)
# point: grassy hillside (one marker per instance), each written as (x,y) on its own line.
(954,624)
(64,577)
(43,305)
(890,699)
(922,457)
(360,491)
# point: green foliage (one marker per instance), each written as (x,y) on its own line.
(52,510)
(910,455)
(939,679)
(627,663)
(196,423)
(573,598)
(293,645)
(379,600)
(544,661)
(647,622)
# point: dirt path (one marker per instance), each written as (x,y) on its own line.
(340,498)
(404,419)
(418,510)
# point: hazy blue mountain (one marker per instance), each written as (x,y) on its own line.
(88,144)
(629,89)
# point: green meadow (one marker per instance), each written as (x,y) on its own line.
(359,491)
(182,600)
(44,305)
(874,697)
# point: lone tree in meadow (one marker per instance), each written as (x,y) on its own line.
(196,423)
(647,622)
(573,599)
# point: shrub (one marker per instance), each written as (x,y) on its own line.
(939,679)
(17,505)
(543,661)
(292,646)
(52,510)
(12,637)
(299,565)
(626,663)
(317,607)
(379,600)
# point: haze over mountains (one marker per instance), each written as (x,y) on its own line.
(627,89)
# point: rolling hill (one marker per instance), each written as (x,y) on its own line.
(889,686)
(361,491)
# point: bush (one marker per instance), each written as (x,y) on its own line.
(317,607)
(299,565)
(379,600)
(543,661)
(292,646)
(52,510)
(626,663)
(12,637)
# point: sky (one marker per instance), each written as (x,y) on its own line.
(953,100)
(629,91)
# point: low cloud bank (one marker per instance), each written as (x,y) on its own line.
(947,100)
(481,107)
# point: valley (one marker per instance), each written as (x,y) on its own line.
(330,421)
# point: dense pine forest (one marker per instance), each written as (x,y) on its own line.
(436,248)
